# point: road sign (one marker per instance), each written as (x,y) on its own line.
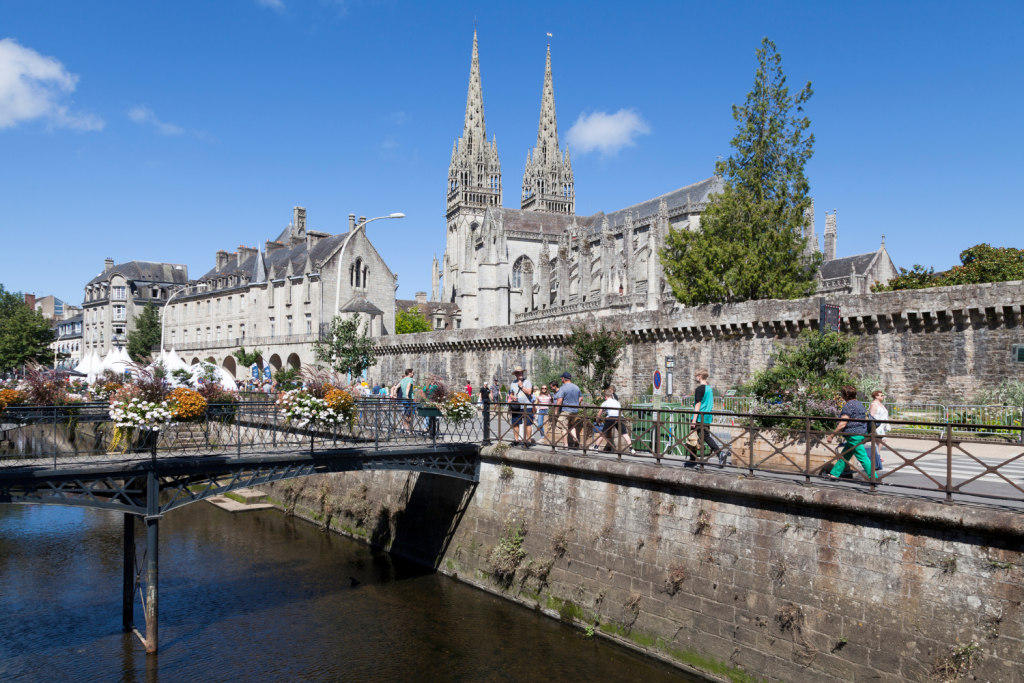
(657,380)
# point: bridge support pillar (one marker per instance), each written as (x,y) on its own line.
(152,561)
(128,575)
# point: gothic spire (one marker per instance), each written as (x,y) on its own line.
(547,129)
(474,131)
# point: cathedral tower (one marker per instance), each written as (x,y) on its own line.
(547,180)
(474,184)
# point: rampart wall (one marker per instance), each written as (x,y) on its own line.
(744,579)
(926,345)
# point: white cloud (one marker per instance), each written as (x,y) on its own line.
(145,115)
(32,87)
(605,132)
(272,4)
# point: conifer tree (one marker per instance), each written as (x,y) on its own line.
(146,334)
(750,243)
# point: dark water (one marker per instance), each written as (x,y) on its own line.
(261,597)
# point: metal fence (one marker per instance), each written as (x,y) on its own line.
(947,458)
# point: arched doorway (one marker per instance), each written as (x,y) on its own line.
(195,361)
(275,362)
(294,362)
(229,365)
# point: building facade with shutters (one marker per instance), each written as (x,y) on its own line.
(115,298)
(280,299)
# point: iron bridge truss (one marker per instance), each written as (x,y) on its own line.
(189,480)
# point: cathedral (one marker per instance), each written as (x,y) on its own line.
(504,266)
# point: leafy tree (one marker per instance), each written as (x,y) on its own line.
(915,278)
(750,243)
(247,358)
(546,369)
(288,379)
(345,349)
(595,354)
(979,264)
(407,322)
(814,366)
(25,335)
(146,334)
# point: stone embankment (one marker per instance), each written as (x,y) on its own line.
(925,345)
(742,579)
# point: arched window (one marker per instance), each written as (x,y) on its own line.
(521,263)
(359,272)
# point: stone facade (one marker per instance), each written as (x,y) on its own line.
(117,295)
(542,261)
(742,579)
(69,342)
(925,345)
(280,299)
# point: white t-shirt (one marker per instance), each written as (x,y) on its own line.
(611,407)
(880,412)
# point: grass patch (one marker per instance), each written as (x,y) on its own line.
(235,497)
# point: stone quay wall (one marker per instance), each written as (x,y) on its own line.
(741,579)
(940,344)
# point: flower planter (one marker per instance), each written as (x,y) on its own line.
(424,411)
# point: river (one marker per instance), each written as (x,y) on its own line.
(259,596)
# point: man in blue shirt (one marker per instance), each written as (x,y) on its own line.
(568,399)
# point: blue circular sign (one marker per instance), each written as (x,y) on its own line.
(657,379)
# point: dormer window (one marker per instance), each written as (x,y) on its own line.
(154,292)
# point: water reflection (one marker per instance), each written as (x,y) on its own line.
(259,596)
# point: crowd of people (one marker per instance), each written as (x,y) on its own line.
(550,413)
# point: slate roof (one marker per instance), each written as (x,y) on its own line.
(691,194)
(841,267)
(147,271)
(359,304)
(554,224)
(277,260)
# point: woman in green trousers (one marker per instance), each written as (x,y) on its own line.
(853,426)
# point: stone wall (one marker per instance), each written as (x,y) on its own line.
(743,579)
(926,345)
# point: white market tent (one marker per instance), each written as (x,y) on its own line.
(172,361)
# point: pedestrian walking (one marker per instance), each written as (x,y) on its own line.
(403,392)
(521,395)
(495,391)
(612,424)
(567,398)
(542,407)
(704,405)
(469,389)
(880,413)
(854,428)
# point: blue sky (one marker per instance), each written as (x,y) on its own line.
(168,130)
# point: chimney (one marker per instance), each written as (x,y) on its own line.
(421,298)
(222,259)
(351,221)
(245,252)
(30,301)
(314,236)
(108,264)
(298,225)
(271,247)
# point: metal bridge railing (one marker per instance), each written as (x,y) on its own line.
(952,458)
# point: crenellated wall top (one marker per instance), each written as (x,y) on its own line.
(939,305)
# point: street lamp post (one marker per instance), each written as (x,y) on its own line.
(163,318)
(341,256)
